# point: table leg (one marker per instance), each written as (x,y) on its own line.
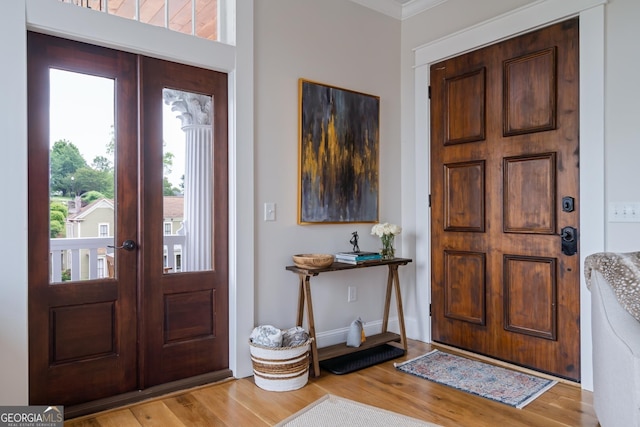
(300,301)
(387,300)
(396,281)
(312,328)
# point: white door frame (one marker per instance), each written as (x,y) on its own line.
(76,23)
(592,208)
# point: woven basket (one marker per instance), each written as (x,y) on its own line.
(280,368)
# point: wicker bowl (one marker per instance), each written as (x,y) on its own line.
(313,260)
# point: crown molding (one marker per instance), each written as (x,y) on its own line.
(414,7)
(399,9)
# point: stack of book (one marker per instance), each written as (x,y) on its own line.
(357,257)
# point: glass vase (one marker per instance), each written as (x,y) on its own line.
(387,251)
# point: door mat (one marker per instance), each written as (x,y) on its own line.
(503,385)
(361,359)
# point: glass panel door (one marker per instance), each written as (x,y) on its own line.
(184,171)
(83,158)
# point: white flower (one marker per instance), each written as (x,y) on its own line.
(386,228)
(395,229)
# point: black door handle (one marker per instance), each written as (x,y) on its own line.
(569,236)
(127,245)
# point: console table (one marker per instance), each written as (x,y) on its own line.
(304,298)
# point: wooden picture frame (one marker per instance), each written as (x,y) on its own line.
(338,155)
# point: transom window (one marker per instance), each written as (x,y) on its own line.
(195,17)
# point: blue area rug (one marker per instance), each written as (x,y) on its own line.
(503,385)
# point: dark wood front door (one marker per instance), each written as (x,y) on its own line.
(186,326)
(504,162)
(124,295)
(82,333)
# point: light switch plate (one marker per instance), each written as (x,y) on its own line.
(624,212)
(269,211)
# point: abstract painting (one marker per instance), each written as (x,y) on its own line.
(338,155)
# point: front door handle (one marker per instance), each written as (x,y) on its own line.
(569,237)
(127,245)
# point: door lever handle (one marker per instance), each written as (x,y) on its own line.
(568,234)
(127,245)
(569,237)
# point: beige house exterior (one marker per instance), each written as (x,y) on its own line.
(97,219)
(93,220)
(173,214)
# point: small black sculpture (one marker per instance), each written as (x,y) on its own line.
(354,241)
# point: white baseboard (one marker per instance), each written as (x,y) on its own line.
(337,336)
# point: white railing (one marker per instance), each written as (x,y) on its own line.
(71,248)
(71,251)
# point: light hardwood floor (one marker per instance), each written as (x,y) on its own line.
(240,403)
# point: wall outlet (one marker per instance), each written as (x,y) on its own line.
(352,294)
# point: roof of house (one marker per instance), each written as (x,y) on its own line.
(86,210)
(173,206)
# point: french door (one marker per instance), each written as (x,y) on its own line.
(127,222)
(185,314)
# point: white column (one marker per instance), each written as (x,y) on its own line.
(197,125)
(198,191)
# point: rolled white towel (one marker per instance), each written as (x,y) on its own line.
(266,335)
(294,337)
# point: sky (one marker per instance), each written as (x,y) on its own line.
(82,112)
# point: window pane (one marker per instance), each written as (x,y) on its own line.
(207,19)
(81,184)
(101,272)
(188,180)
(152,12)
